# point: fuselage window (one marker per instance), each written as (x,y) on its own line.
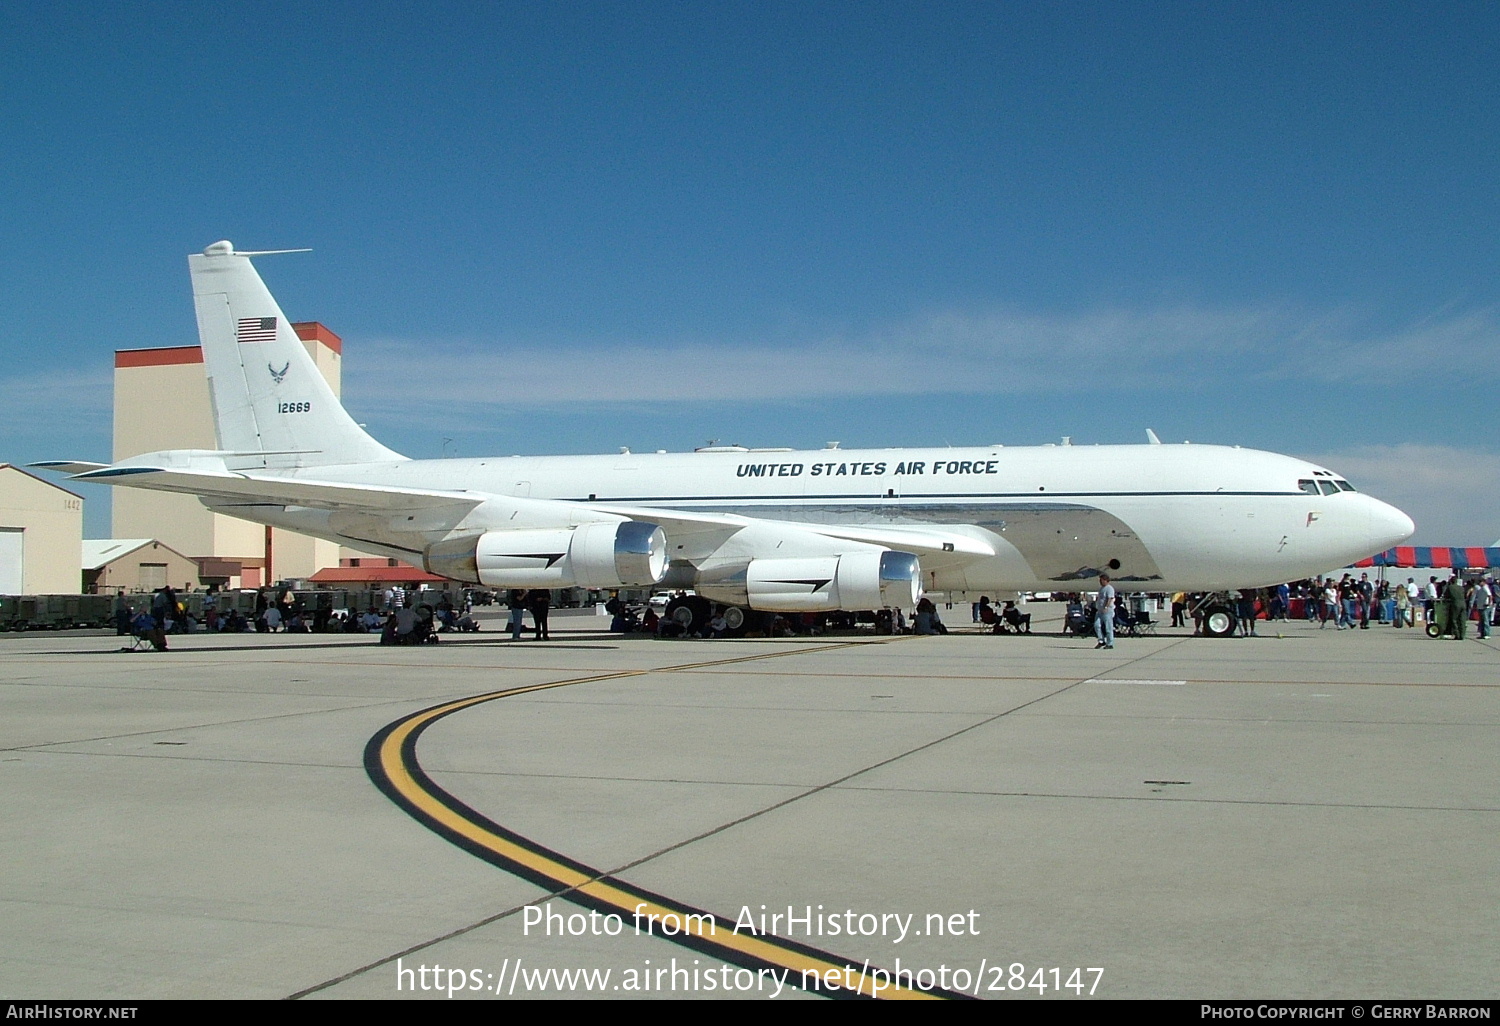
(1328,487)
(1344,486)
(1310,487)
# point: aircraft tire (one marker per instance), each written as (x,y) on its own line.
(692,611)
(740,620)
(1218,622)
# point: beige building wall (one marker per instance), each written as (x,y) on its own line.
(43,525)
(164,405)
(162,402)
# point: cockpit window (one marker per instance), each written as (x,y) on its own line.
(1328,487)
(1310,487)
(1344,486)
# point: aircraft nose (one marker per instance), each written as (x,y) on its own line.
(1389,526)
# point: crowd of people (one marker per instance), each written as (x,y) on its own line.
(1348,603)
(1345,603)
(285,612)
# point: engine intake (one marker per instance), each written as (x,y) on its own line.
(600,555)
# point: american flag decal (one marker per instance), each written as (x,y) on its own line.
(256,329)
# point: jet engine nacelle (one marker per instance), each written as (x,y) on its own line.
(601,555)
(821,584)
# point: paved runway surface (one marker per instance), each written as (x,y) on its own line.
(1314,814)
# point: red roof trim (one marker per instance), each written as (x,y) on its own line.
(164,357)
(169,356)
(309,331)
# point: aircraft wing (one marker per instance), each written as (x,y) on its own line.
(203,474)
(920,541)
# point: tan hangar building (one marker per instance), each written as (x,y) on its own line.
(119,566)
(41,531)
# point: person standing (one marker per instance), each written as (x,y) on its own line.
(540,601)
(1349,605)
(1481,603)
(517,613)
(1366,592)
(162,606)
(1456,607)
(1331,606)
(1104,613)
(1245,610)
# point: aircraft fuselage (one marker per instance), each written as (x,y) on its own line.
(1155,517)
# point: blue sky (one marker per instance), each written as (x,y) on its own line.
(566,227)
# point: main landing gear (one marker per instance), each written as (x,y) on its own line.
(694,612)
(1217,615)
(691,611)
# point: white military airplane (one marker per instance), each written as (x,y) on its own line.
(751,529)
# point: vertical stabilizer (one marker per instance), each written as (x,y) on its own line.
(268,395)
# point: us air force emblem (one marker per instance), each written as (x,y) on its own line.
(278,375)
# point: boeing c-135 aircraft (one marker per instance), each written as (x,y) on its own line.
(751,529)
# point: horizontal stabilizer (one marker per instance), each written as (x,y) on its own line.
(68,466)
(281,490)
(201,473)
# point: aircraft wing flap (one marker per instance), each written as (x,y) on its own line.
(919,541)
(669,518)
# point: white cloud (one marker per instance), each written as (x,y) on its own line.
(1453,494)
(1430,351)
(1001,352)
(57,402)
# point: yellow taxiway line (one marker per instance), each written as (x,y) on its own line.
(391,761)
